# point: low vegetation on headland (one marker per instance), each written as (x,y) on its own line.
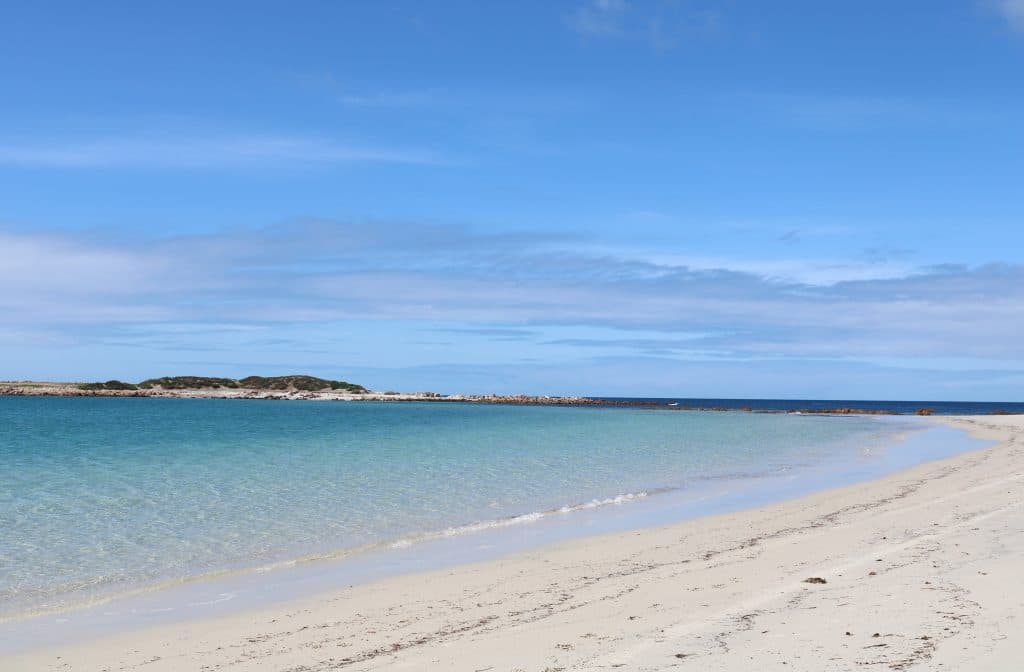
(282,383)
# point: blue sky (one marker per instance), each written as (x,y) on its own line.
(722,198)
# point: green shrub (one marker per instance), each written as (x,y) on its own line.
(188,383)
(303,383)
(109,385)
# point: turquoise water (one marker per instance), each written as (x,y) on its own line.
(102,496)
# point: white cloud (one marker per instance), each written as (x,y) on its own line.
(600,17)
(1013,11)
(324,272)
(201,152)
(817,272)
(661,25)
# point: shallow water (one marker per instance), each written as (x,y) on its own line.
(99,497)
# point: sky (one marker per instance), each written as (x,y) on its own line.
(608,197)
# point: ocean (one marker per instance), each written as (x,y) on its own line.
(101,497)
(904,407)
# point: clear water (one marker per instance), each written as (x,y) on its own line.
(101,496)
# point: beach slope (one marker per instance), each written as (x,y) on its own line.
(919,570)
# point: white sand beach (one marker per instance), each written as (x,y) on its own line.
(918,570)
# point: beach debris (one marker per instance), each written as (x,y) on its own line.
(815,579)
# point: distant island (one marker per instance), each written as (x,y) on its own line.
(312,388)
(282,383)
(264,387)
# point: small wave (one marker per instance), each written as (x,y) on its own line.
(596,503)
(492,524)
(93,599)
(468,528)
(534,516)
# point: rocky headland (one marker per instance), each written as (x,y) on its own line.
(302,387)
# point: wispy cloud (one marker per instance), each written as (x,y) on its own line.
(201,152)
(661,25)
(354,95)
(386,99)
(494,334)
(1012,11)
(507,286)
(851,111)
(870,264)
(600,17)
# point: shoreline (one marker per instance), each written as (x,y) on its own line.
(634,546)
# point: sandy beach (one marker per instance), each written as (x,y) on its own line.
(919,570)
(593,335)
